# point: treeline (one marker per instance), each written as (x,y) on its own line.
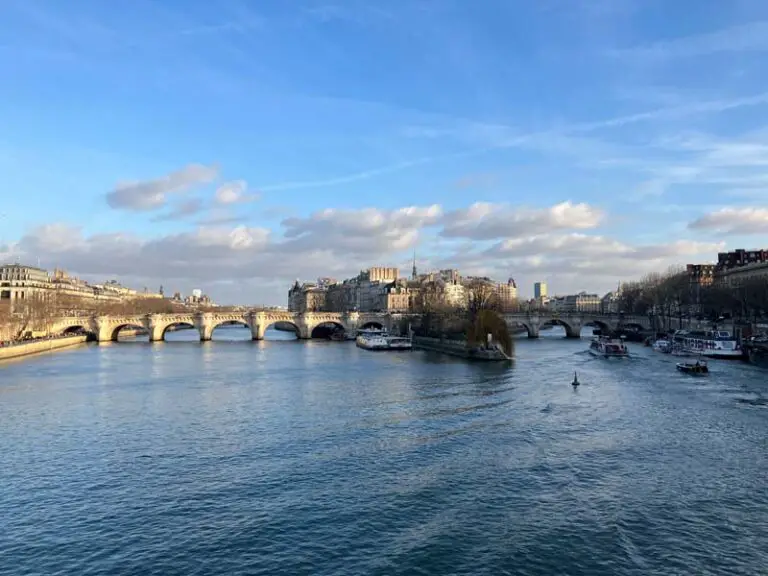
(672,294)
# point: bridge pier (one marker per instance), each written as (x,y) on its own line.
(533,331)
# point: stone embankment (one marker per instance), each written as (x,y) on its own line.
(20,349)
(458,348)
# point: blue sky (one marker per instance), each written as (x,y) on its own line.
(237,145)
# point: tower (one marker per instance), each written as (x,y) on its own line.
(413,270)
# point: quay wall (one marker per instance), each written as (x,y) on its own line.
(456,348)
(38,346)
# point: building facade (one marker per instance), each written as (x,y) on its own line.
(19,282)
(539,290)
(307,297)
(582,302)
(506,296)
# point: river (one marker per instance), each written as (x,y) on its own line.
(318,458)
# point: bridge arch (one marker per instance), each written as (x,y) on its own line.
(571,331)
(176,325)
(325,328)
(270,323)
(602,326)
(114,331)
(229,322)
(372,324)
(74,328)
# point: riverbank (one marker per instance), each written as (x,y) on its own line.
(459,349)
(39,346)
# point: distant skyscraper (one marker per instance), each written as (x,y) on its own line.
(539,290)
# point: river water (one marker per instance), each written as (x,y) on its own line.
(294,458)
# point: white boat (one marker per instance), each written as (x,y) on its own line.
(662,345)
(399,343)
(381,340)
(608,347)
(710,343)
(372,340)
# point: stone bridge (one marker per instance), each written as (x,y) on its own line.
(106,328)
(573,322)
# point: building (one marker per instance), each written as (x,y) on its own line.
(307,297)
(740,257)
(382,274)
(741,274)
(701,274)
(539,290)
(738,266)
(19,282)
(506,296)
(581,302)
(454,294)
(611,302)
(197,293)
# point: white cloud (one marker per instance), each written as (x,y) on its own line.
(734,221)
(142,196)
(234,192)
(484,221)
(364,231)
(252,264)
(182,210)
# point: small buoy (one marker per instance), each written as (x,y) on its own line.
(575,380)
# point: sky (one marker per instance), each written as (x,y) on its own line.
(236,146)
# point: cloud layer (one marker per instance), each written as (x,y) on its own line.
(734,221)
(561,241)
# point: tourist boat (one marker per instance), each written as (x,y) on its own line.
(399,343)
(697,368)
(381,340)
(372,339)
(709,343)
(662,345)
(608,347)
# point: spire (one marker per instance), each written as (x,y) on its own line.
(413,271)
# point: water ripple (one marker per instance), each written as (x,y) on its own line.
(322,459)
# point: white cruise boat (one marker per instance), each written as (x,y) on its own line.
(372,339)
(608,347)
(381,340)
(399,343)
(710,343)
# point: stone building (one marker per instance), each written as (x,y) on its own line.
(19,282)
(506,296)
(581,302)
(307,297)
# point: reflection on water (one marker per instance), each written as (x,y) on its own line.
(275,457)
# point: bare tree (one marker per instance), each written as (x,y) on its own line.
(482,296)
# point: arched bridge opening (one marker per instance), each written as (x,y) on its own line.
(180,332)
(129,332)
(372,325)
(328,330)
(570,331)
(78,330)
(281,330)
(598,327)
(231,330)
